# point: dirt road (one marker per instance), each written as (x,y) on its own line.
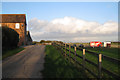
(25,64)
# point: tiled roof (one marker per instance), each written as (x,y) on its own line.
(13,18)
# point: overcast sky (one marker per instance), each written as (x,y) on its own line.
(68,21)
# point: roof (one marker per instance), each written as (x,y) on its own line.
(13,18)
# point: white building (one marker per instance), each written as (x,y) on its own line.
(107,44)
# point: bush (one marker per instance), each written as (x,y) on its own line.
(10,38)
(42,41)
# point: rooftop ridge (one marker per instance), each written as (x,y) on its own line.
(13,18)
(12,14)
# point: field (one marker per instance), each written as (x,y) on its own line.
(109,65)
(56,66)
(111,52)
(106,64)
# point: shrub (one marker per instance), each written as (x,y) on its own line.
(42,41)
(10,38)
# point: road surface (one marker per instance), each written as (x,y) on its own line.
(25,64)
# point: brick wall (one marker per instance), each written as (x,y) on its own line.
(21,31)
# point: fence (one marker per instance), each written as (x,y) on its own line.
(64,48)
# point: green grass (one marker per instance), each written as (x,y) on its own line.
(56,66)
(111,52)
(8,53)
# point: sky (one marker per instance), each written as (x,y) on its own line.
(68,21)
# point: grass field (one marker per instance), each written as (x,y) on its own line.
(111,52)
(56,66)
(8,53)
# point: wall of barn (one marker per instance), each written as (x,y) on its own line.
(21,31)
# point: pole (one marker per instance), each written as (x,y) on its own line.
(83,59)
(75,54)
(65,49)
(99,65)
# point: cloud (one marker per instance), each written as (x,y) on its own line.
(72,29)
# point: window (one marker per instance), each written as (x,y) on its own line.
(17,25)
(22,25)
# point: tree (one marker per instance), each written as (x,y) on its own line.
(42,41)
(10,38)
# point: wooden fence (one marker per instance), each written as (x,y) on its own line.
(64,48)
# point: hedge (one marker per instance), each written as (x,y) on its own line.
(10,38)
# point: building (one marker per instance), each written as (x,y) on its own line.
(95,44)
(29,39)
(16,22)
(46,43)
(107,44)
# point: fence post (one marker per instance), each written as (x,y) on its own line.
(83,59)
(59,46)
(65,49)
(52,44)
(69,52)
(75,53)
(99,65)
(62,46)
(56,45)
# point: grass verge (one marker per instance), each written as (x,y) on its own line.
(56,66)
(8,53)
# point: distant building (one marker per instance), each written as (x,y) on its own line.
(29,39)
(47,43)
(95,44)
(18,23)
(107,44)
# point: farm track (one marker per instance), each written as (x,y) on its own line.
(25,64)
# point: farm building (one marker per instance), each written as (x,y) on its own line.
(29,39)
(16,22)
(96,44)
(107,44)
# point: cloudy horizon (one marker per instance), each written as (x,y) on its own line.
(71,29)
